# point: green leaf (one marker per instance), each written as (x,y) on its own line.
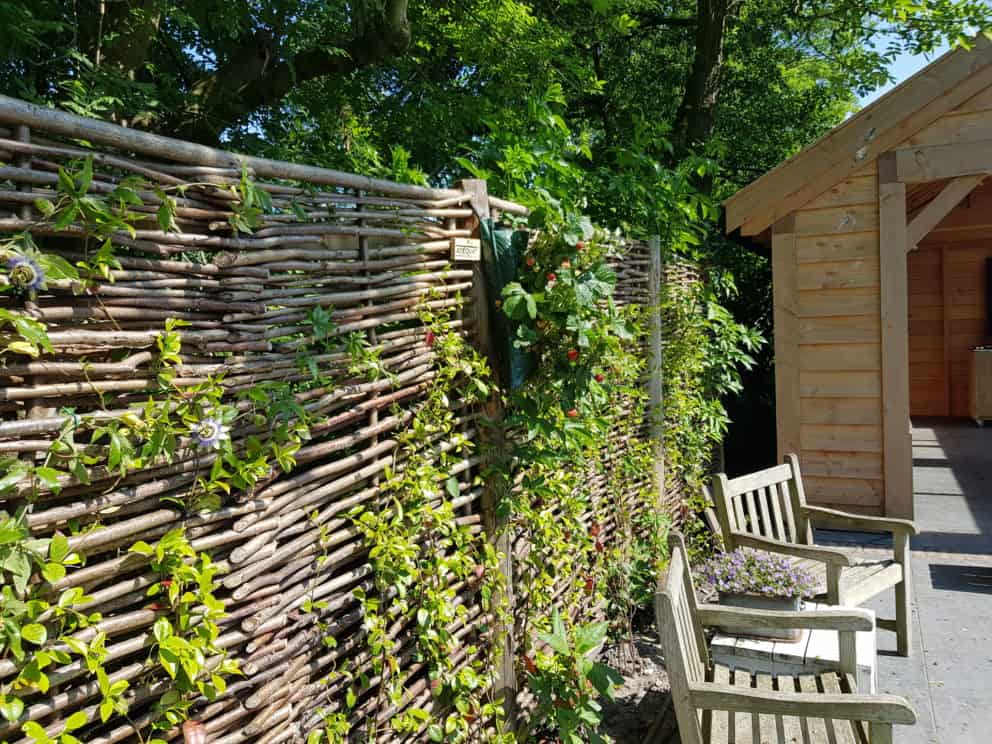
(75,721)
(34,633)
(49,478)
(44,206)
(11,707)
(56,267)
(587,637)
(142,547)
(452,487)
(53,572)
(58,548)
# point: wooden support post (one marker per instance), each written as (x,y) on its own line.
(786,321)
(897,459)
(656,367)
(493,437)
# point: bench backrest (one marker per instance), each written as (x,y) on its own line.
(682,639)
(768,503)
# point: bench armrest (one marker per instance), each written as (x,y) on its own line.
(872,708)
(830,556)
(841,620)
(822,517)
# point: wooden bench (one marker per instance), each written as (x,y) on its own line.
(715,704)
(767,510)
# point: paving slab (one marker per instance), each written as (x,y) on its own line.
(948,678)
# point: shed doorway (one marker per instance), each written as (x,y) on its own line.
(950,320)
(950,308)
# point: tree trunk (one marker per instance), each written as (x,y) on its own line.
(695,116)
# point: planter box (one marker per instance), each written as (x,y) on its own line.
(757,602)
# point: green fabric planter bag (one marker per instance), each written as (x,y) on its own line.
(502,254)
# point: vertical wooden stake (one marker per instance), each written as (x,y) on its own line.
(492,436)
(656,367)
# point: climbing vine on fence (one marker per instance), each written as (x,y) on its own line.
(423,555)
(424,600)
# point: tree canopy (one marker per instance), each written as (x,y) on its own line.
(621,86)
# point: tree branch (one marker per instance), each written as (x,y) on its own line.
(254,76)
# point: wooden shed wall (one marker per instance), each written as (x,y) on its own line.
(827,316)
(837,424)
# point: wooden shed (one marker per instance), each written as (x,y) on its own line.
(881,239)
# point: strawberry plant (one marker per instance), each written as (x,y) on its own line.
(566,680)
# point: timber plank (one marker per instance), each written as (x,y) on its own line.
(824,303)
(840,357)
(846,490)
(850,219)
(839,410)
(839,274)
(840,384)
(851,329)
(833,438)
(821,248)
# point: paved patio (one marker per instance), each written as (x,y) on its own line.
(949,677)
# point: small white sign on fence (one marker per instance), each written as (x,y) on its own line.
(466,249)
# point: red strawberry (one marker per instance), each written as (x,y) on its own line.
(590,585)
(573,354)
(572,413)
(594,530)
(580,246)
(551,277)
(429,338)
(599,546)
(530,261)
(529,665)
(166,583)
(598,378)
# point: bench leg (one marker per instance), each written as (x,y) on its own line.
(833,584)
(880,733)
(904,597)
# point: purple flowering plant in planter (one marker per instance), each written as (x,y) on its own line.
(749,578)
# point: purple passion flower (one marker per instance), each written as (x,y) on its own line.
(25,274)
(210,432)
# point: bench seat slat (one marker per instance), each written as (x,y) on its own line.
(842,730)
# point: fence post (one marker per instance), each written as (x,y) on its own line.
(492,436)
(655,365)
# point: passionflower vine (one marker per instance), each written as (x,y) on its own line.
(210,432)
(25,273)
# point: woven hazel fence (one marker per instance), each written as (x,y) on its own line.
(283,295)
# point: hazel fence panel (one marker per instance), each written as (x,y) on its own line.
(317,300)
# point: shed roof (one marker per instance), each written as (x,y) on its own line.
(941,86)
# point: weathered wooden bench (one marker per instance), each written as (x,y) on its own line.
(714,704)
(767,510)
